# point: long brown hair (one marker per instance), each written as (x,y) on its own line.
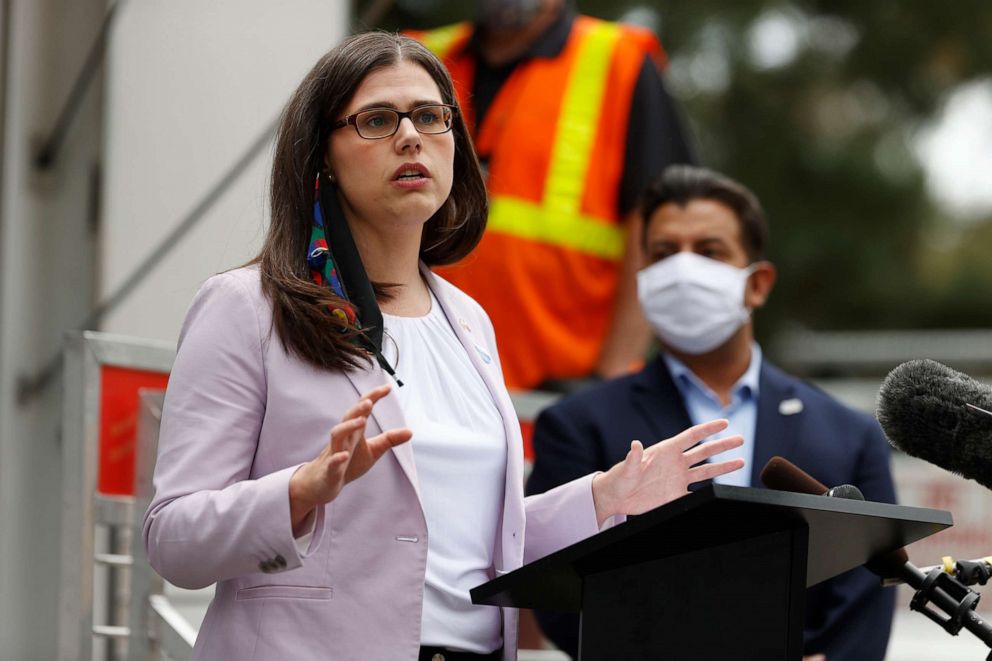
(301,309)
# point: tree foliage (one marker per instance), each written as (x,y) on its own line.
(816,105)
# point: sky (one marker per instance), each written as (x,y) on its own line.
(956,152)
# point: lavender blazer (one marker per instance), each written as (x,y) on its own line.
(241,414)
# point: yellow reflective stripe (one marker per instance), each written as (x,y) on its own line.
(440,40)
(527,220)
(579,120)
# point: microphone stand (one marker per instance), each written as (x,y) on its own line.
(949,595)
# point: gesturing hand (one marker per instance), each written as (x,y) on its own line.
(648,478)
(347,456)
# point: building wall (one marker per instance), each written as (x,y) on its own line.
(187,86)
(49,243)
(190,86)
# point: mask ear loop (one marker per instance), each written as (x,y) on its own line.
(749,271)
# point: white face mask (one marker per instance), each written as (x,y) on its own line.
(694,303)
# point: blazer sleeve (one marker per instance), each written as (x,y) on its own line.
(558,518)
(855,612)
(208,519)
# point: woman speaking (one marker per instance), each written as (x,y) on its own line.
(341,514)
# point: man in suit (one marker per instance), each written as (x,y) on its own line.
(704,240)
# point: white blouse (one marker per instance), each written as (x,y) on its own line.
(459,447)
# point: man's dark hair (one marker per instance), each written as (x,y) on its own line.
(681,184)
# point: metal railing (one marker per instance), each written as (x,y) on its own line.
(157,628)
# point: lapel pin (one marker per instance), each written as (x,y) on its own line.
(464,324)
(790,406)
(486,358)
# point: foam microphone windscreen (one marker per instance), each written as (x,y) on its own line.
(928,410)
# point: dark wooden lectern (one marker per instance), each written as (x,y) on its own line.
(718,574)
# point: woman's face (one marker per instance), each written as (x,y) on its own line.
(396,183)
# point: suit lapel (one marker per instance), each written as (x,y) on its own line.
(659,402)
(386,414)
(779,412)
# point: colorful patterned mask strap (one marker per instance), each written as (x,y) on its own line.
(322,268)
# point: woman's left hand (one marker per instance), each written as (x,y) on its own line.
(646,479)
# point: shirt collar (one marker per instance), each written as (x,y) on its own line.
(551,42)
(685,379)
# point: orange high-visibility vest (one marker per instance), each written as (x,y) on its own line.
(547,267)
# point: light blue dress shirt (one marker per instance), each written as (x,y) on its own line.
(742,412)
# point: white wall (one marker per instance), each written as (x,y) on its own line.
(46,275)
(188,85)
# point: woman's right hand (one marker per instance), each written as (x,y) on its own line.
(347,456)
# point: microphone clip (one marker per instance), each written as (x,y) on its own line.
(972,572)
(965,599)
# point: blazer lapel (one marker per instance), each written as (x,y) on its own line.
(387,415)
(476,353)
(779,412)
(512,515)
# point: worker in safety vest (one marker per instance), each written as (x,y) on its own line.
(570,119)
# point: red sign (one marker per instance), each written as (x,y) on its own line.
(119,425)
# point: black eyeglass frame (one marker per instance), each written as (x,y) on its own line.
(351,119)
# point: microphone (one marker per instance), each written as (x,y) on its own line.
(848,491)
(939,415)
(783,475)
(936,587)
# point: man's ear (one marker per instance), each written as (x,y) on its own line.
(760,284)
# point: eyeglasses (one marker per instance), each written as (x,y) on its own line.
(377,123)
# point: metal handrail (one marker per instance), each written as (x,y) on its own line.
(176,636)
(97,529)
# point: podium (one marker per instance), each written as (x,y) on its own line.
(719,573)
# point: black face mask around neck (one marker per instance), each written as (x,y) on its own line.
(354,280)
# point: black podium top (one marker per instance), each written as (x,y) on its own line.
(843,534)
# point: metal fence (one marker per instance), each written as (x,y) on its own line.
(100,613)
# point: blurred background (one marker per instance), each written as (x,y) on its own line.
(135,141)
(864,128)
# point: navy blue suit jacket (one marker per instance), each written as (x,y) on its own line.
(849,617)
